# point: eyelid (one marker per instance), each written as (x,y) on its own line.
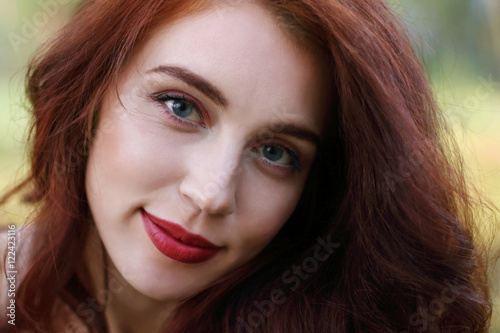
(279,142)
(288,147)
(174,94)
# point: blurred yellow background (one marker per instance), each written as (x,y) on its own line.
(457,40)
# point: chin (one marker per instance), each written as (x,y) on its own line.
(165,282)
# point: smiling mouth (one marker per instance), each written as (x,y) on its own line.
(177,243)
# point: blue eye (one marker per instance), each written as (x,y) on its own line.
(279,155)
(180,109)
(274,153)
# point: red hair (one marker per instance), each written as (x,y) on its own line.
(383,188)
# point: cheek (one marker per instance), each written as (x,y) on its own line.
(129,156)
(265,212)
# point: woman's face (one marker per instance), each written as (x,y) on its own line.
(203,149)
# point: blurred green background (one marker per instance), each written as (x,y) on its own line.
(457,40)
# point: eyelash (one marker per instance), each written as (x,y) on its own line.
(162,98)
(281,168)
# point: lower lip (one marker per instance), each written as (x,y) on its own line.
(173,248)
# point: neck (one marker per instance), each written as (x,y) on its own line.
(126,310)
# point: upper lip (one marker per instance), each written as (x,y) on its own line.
(181,234)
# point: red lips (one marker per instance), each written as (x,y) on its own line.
(177,243)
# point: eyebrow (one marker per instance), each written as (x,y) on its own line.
(199,83)
(195,81)
(296,131)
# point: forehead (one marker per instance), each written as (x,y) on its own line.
(242,51)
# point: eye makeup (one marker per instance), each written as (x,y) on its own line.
(281,168)
(163,98)
(169,100)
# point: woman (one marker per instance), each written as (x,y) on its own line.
(242,166)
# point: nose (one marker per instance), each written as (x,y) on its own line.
(209,183)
